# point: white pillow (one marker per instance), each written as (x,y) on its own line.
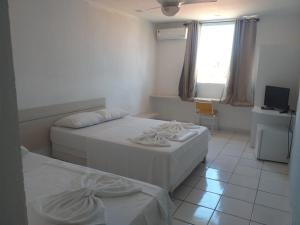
(112,114)
(80,120)
(24,151)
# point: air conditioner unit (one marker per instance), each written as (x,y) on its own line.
(172,33)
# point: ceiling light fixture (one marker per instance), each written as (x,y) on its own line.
(171,10)
(172,7)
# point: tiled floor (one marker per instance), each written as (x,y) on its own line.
(233,188)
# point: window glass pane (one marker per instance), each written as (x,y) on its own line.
(214,52)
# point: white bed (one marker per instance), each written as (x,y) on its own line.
(47,176)
(106,147)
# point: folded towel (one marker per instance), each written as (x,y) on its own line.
(176,131)
(182,136)
(71,207)
(84,206)
(175,126)
(173,131)
(171,127)
(110,186)
(190,126)
(151,138)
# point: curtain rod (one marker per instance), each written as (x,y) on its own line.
(225,20)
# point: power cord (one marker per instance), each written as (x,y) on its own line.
(290,142)
(222,94)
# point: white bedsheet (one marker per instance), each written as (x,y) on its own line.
(107,147)
(44,176)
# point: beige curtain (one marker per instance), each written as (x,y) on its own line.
(188,81)
(239,90)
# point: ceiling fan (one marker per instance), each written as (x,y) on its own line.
(172,7)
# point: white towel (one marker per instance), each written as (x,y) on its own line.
(151,138)
(171,127)
(175,126)
(182,136)
(190,126)
(173,131)
(110,186)
(176,131)
(83,206)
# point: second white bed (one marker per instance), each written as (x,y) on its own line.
(45,176)
(107,147)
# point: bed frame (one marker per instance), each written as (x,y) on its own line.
(35,123)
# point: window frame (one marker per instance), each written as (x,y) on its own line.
(219,86)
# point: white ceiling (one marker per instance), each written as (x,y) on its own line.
(205,11)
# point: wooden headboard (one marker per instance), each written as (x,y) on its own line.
(35,123)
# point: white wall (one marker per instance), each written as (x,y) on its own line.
(170,56)
(71,50)
(277,63)
(12,195)
(169,60)
(295,168)
(172,108)
(278,45)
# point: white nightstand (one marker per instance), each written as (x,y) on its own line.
(269,118)
(272,143)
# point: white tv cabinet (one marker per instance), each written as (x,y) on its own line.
(272,143)
(267,117)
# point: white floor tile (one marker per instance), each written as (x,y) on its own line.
(193,214)
(273,201)
(251,163)
(248,155)
(211,185)
(275,176)
(234,148)
(249,148)
(220,218)
(232,152)
(177,222)
(227,158)
(249,182)
(274,183)
(235,207)
(240,193)
(274,187)
(270,216)
(226,163)
(182,192)
(192,180)
(176,204)
(216,145)
(203,198)
(217,174)
(212,153)
(240,136)
(276,167)
(223,135)
(247,171)
(210,159)
(199,170)
(225,154)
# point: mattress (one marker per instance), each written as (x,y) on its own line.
(107,147)
(46,176)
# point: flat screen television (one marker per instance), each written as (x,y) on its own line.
(277,97)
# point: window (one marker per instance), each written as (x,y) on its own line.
(214,57)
